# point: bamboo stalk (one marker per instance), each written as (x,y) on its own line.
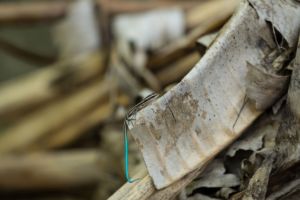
(118,7)
(145,189)
(24,54)
(176,71)
(126,80)
(218,15)
(52,117)
(141,190)
(209,9)
(25,12)
(45,84)
(59,170)
(48,11)
(75,128)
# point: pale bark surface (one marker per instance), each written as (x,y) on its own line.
(190,124)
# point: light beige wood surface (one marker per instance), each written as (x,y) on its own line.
(63,170)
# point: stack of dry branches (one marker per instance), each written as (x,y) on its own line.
(61,131)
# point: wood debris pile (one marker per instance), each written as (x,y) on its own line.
(224,125)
